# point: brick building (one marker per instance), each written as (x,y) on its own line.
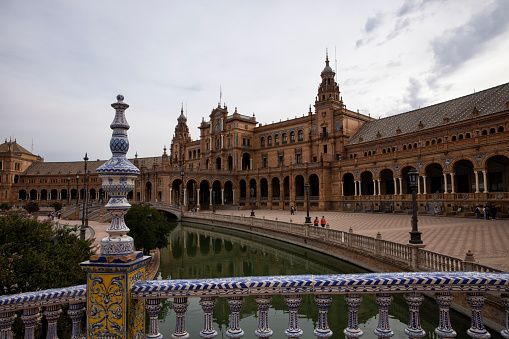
(460,149)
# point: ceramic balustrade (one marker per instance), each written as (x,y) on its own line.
(352,286)
(52,300)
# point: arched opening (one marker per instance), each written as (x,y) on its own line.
(405,183)
(435,178)
(367,183)
(286,188)
(218,163)
(299,187)
(33,195)
(228,192)
(22,195)
(243,190)
(498,172)
(230,163)
(191,186)
(207,164)
(276,190)
(44,194)
(148,191)
(74,193)
(264,189)
(464,178)
(246,161)
(348,184)
(63,194)
(54,194)
(93,194)
(387,182)
(216,192)
(252,185)
(204,197)
(314,187)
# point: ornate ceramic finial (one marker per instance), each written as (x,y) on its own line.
(118,176)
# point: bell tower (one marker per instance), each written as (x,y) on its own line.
(328,90)
(180,138)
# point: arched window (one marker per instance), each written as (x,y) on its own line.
(292,136)
(492,130)
(427,142)
(276,139)
(218,127)
(460,137)
(468,136)
(383,151)
(484,132)
(404,147)
(439,141)
(365,154)
(262,142)
(500,128)
(453,138)
(269,141)
(285,138)
(301,135)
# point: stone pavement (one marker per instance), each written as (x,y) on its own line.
(453,236)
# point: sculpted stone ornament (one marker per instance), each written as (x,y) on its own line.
(117,176)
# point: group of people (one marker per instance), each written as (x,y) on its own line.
(293,210)
(322,222)
(51,215)
(486,210)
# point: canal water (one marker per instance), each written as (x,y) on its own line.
(198,251)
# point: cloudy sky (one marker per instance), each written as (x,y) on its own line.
(62,63)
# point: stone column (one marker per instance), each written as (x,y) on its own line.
(379,187)
(400,186)
(185,197)
(250,163)
(476,181)
(446,189)
(452,183)
(222,196)
(197,197)
(210,196)
(355,186)
(424,184)
(233,196)
(342,188)
(485,181)
(418,185)
(171,196)
(395,186)
(117,267)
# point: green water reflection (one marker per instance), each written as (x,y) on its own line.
(198,251)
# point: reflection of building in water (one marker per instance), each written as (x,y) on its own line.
(233,256)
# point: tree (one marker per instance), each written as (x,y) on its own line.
(5,206)
(57,205)
(35,256)
(32,207)
(149,227)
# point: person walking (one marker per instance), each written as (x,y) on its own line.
(494,211)
(478,212)
(315,223)
(291,210)
(322,222)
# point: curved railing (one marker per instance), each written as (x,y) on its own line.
(352,286)
(52,300)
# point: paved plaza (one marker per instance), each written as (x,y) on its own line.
(454,236)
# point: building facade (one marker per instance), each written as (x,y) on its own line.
(352,162)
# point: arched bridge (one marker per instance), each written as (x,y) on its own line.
(172,209)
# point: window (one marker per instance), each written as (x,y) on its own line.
(1,165)
(190,155)
(262,142)
(453,138)
(314,129)
(264,160)
(301,135)
(218,127)
(500,129)
(484,132)
(298,158)
(243,141)
(467,136)
(229,142)
(208,146)
(324,149)
(249,142)
(292,136)
(269,141)
(245,126)
(492,130)
(276,139)
(285,139)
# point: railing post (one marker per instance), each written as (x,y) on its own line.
(52,313)
(180,307)
(29,318)
(323,302)
(468,262)
(263,303)
(476,302)
(153,307)
(293,303)
(6,321)
(505,301)
(378,244)
(444,329)
(383,300)
(353,301)
(118,266)
(350,236)
(235,303)
(414,301)
(207,305)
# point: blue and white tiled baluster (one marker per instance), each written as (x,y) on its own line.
(52,312)
(414,329)
(29,317)
(76,312)
(505,301)
(353,301)
(444,329)
(323,302)
(263,303)
(383,300)
(234,331)
(293,302)
(6,321)
(180,305)
(153,307)
(208,304)
(476,302)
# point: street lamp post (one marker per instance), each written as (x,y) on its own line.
(182,200)
(415,235)
(308,219)
(252,202)
(214,201)
(84,219)
(68,187)
(77,190)
(27,197)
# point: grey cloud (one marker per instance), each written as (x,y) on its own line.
(463,43)
(413,95)
(373,22)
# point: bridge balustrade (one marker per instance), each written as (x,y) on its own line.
(352,286)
